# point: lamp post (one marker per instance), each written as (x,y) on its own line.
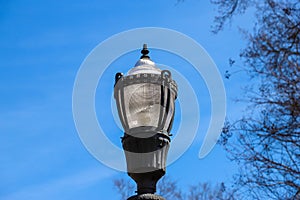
(145,99)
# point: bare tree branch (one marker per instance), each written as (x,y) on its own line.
(265,142)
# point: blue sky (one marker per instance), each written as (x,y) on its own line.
(43,44)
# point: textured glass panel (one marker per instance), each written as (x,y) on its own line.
(142,104)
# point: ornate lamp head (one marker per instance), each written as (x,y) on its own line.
(145,99)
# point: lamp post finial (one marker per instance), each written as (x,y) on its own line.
(145,52)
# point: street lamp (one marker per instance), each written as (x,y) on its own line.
(145,100)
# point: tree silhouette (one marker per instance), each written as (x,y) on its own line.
(169,189)
(266,141)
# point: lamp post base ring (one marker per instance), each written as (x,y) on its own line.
(146,197)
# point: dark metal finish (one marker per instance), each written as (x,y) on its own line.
(161,79)
(145,145)
(118,76)
(145,52)
(156,147)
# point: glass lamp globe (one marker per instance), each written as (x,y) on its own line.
(145,97)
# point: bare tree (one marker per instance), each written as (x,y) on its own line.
(166,188)
(266,141)
(206,191)
(169,189)
(227,10)
(124,187)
